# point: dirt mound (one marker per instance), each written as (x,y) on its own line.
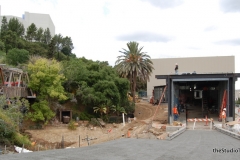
(146,111)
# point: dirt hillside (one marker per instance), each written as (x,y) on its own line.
(53,136)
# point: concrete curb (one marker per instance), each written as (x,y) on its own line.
(227,132)
(176,133)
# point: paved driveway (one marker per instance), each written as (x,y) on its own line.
(192,145)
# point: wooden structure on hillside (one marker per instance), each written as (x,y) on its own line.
(13,83)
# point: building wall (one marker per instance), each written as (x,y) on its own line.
(166,66)
(40,20)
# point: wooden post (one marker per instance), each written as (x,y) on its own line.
(88,141)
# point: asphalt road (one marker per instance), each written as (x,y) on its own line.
(192,145)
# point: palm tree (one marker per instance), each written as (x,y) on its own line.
(102,109)
(118,109)
(134,64)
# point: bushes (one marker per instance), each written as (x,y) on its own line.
(9,123)
(19,140)
(9,135)
(71,125)
(130,108)
(17,56)
(6,131)
(82,116)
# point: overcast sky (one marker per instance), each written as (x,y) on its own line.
(166,28)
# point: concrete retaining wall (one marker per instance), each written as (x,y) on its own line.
(224,131)
(176,133)
(172,128)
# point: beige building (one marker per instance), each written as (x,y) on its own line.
(200,65)
(40,20)
(202,87)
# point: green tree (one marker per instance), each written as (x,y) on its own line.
(4,27)
(46,36)
(46,81)
(94,83)
(10,40)
(51,48)
(39,34)
(21,43)
(17,56)
(67,46)
(36,48)
(134,64)
(31,32)
(41,112)
(17,27)
(2,46)
(58,43)
(60,56)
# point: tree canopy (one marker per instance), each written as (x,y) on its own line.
(46,82)
(31,32)
(95,83)
(17,56)
(37,41)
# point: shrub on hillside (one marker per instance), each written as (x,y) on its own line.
(19,139)
(71,125)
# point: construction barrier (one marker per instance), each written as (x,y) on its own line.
(199,120)
(206,120)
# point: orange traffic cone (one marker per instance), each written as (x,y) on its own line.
(128,134)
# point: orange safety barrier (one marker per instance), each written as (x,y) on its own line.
(199,120)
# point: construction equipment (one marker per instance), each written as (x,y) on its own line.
(224,104)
